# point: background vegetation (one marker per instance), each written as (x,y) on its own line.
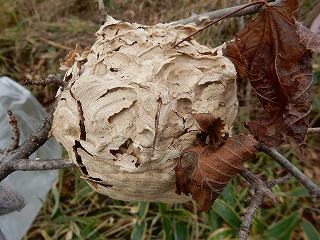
(35,35)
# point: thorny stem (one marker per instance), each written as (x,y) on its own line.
(313,189)
(262,189)
(221,18)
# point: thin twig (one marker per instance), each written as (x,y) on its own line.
(313,189)
(314,130)
(258,184)
(41,164)
(51,79)
(219,19)
(249,215)
(15,131)
(205,18)
(279,180)
(102,10)
(262,189)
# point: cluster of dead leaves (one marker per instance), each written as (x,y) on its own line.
(274,53)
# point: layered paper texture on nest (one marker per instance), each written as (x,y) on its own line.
(127,111)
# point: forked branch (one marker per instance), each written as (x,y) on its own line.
(262,190)
(17,158)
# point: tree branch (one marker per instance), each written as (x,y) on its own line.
(314,130)
(17,159)
(51,79)
(102,10)
(205,18)
(41,164)
(262,189)
(313,189)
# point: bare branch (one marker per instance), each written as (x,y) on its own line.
(258,184)
(29,146)
(219,19)
(313,189)
(262,189)
(205,18)
(15,131)
(314,130)
(249,215)
(102,10)
(51,79)
(279,180)
(41,164)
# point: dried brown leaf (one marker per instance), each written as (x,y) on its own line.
(212,126)
(214,170)
(72,57)
(275,49)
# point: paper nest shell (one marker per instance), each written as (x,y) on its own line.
(127,111)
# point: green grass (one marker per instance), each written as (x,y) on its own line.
(35,36)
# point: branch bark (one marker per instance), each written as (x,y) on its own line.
(262,190)
(51,79)
(102,10)
(10,161)
(314,130)
(40,164)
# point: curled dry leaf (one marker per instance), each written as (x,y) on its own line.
(211,127)
(74,55)
(215,168)
(274,52)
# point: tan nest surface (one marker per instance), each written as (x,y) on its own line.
(126,113)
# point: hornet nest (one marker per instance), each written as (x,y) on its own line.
(127,110)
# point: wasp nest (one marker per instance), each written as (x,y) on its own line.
(127,111)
